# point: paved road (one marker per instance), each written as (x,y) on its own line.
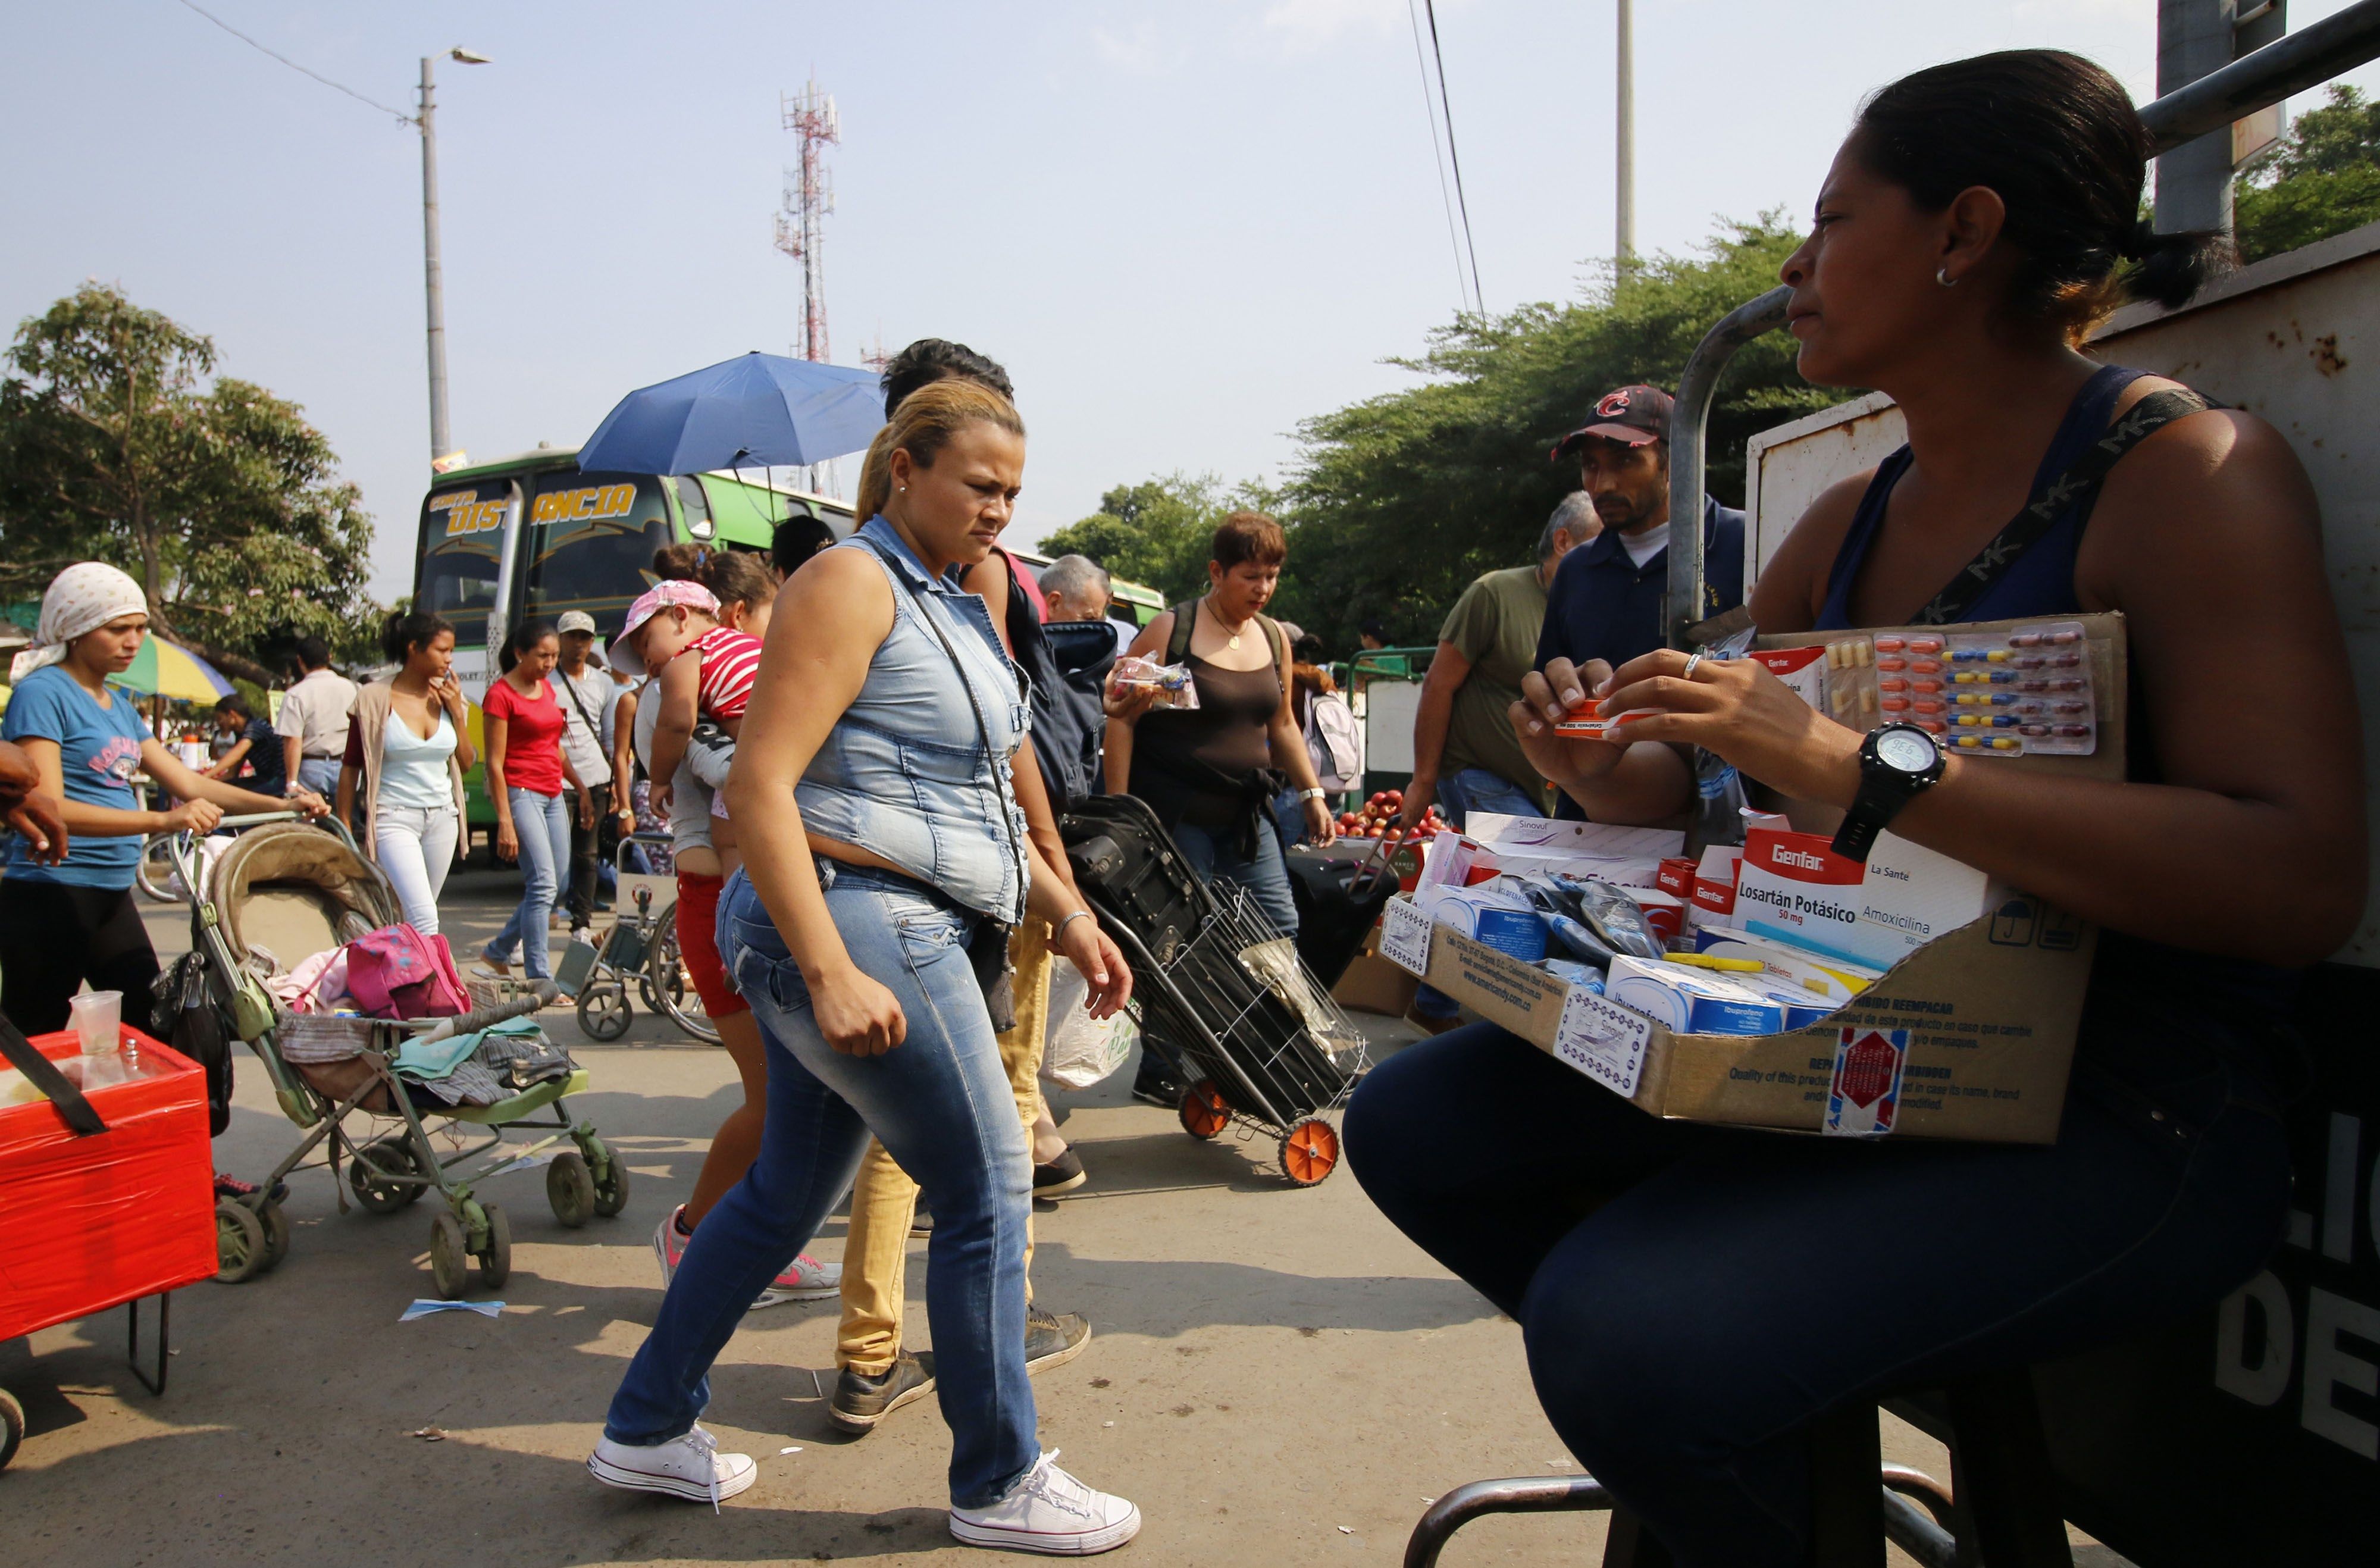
(1277,1377)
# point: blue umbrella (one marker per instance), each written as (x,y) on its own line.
(757,411)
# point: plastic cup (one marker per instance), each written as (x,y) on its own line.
(98,1018)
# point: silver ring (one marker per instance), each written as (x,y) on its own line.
(1692,660)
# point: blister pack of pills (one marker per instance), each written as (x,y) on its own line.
(2026,691)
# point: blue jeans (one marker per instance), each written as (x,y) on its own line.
(942,1105)
(1476,789)
(1733,1286)
(1213,856)
(542,822)
(320,774)
(1460,793)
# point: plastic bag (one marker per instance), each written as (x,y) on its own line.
(1613,916)
(1172,683)
(1079,1050)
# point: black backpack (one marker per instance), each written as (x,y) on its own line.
(1067,664)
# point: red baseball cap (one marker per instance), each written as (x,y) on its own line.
(1634,415)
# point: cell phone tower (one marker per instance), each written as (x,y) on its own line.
(801,219)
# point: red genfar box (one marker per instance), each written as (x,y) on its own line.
(86,1224)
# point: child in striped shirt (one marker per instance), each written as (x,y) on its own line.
(703,697)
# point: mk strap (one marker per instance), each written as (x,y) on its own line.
(2078,485)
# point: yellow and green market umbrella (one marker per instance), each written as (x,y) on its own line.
(167,669)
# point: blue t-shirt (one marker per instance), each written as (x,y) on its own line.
(99,750)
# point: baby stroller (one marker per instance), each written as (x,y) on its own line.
(289,889)
(1224,999)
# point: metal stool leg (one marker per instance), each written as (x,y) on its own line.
(1846,1501)
(1523,1494)
(2002,1473)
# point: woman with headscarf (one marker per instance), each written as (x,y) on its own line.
(63,924)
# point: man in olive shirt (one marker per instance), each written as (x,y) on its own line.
(1466,755)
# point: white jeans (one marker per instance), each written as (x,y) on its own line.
(416,849)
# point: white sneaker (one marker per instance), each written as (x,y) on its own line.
(1050,1512)
(691,1467)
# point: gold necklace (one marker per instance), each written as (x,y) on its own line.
(1234,636)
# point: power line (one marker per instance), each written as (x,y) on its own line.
(1437,153)
(401,116)
(1453,157)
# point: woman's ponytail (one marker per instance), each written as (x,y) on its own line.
(2172,268)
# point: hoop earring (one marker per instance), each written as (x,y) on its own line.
(1942,276)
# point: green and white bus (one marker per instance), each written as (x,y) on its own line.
(532,535)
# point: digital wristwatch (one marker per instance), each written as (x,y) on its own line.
(1898,762)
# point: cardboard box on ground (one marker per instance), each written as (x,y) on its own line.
(1969,1036)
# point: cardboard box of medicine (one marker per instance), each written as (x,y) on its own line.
(1969,1034)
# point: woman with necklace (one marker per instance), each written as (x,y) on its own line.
(1209,771)
(408,745)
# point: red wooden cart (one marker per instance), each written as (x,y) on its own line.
(90,1222)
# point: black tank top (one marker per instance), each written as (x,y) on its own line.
(1203,765)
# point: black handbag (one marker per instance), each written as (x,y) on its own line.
(193,1028)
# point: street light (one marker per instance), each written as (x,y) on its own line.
(431,279)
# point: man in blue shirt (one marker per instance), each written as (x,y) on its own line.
(1610,597)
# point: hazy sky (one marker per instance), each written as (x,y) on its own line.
(1182,228)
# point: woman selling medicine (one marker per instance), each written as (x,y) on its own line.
(1694,1297)
(886,715)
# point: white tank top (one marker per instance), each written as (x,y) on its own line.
(413,771)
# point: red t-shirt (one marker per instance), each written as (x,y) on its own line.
(532,735)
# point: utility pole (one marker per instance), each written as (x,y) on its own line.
(2196,38)
(432,275)
(1623,243)
(433,282)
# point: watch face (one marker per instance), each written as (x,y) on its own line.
(1906,751)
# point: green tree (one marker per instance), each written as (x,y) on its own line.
(216,496)
(1399,501)
(2322,179)
(1157,533)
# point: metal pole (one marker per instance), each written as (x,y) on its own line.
(1689,419)
(2193,181)
(433,282)
(2283,69)
(1623,243)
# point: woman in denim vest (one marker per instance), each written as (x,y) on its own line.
(886,694)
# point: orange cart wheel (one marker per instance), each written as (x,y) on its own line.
(1203,1112)
(1309,1152)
